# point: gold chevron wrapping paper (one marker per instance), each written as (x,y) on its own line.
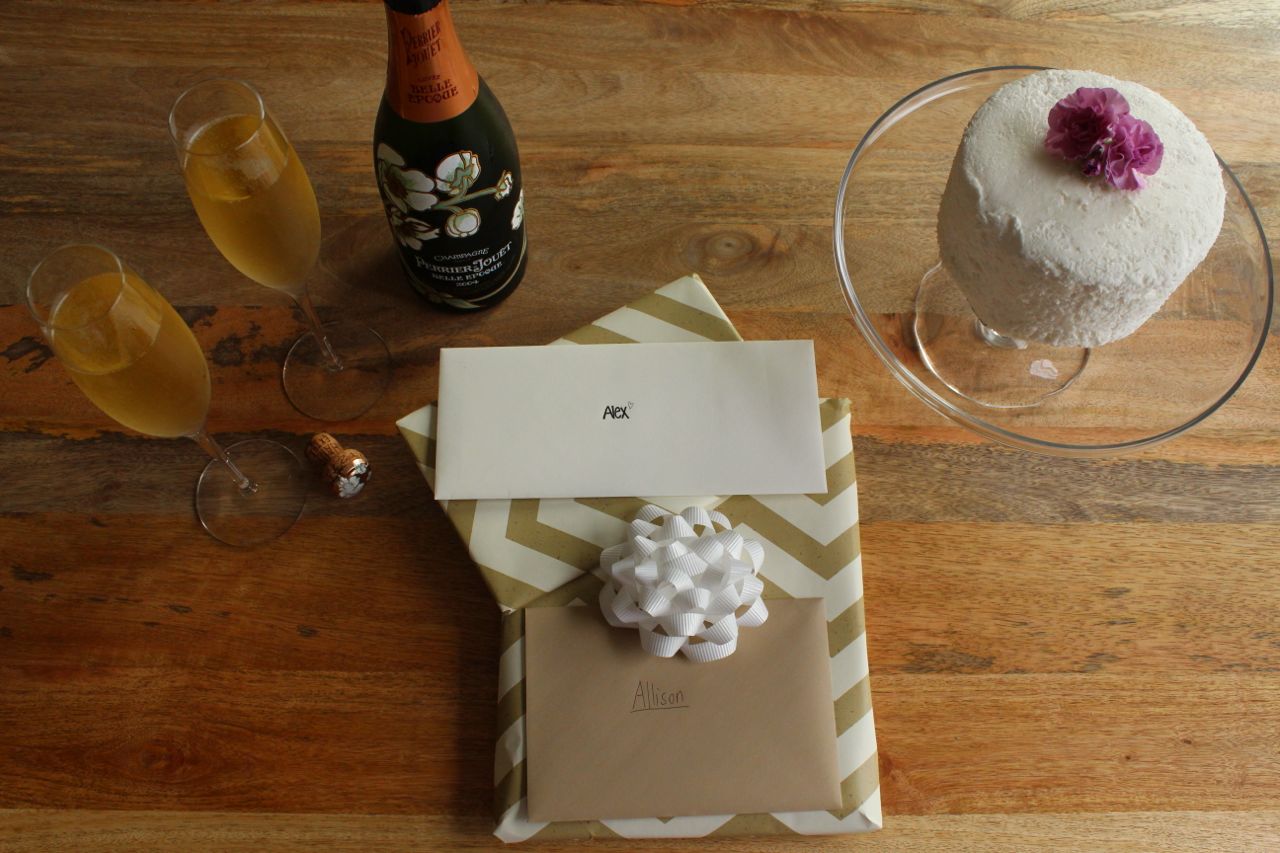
(541,553)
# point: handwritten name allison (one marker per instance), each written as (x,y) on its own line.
(651,697)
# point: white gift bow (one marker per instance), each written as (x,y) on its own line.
(681,589)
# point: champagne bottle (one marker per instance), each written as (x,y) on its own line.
(447,165)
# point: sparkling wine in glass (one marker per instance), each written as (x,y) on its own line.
(257,205)
(134,357)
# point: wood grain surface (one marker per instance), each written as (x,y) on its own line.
(1065,655)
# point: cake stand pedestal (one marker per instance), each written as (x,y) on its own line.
(978,363)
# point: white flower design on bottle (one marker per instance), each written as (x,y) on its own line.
(405,188)
(463,223)
(408,192)
(457,172)
(504,186)
(517,216)
(409,231)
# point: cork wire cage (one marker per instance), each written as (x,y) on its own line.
(1180,367)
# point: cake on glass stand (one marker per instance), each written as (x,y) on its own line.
(1078,388)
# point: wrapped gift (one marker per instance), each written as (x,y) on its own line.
(543,553)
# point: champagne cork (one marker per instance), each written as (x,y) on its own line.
(345,470)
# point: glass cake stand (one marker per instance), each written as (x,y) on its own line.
(1172,373)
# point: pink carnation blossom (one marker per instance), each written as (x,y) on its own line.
(1094,127)
(1078,122)
(1135,151)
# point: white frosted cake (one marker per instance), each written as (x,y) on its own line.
(1045,252)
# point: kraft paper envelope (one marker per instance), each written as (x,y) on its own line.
(615,732)
(655,419)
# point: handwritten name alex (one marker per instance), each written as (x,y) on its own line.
(651,697)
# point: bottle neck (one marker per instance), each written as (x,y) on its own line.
(429,77)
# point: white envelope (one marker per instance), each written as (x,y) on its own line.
(726,418)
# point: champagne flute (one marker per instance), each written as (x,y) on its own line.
(134,357)
(256,204)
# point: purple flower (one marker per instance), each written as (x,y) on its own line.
(1094,127)
(1135,150)
(1082,120)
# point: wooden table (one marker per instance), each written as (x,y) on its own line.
(1065,655)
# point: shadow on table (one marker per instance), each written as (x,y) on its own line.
(363,269)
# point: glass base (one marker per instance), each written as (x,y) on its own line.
(246,519)
(318,388)
(979,363)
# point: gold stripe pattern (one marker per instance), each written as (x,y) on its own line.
(596,335)
(668,310)
(858,786)
(832,412)
(822,560)
(574,829)
(753,824)
(511,707)
(623,509)
(510,592)
(585,588)
(512,629)
(524,528)
(509,790)
(851,707)
(463,515)
(840,477)
(846,628)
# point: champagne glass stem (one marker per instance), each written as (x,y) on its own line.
(317,329)
(207,443)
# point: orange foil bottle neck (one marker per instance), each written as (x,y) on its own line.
(429,77)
